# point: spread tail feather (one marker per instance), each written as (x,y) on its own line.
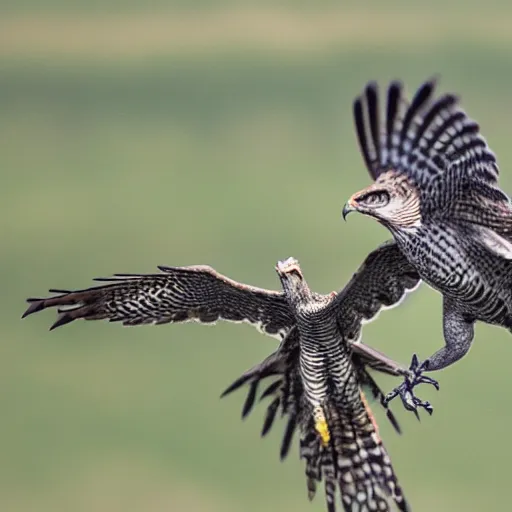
(354,461)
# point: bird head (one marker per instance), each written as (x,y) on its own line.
(292,280)
(393,200)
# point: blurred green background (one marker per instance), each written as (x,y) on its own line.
(141,133)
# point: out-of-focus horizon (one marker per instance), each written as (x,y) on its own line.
(134,134)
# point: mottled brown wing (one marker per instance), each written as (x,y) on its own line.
(178,294)
(382,281)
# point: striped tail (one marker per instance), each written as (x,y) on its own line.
(354,461)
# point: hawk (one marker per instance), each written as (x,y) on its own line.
(322,331)
(436,190)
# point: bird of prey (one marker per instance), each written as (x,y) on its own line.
(436,190)
(326,330)
(316,377)
(288,399)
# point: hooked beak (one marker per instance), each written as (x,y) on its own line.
(349,207)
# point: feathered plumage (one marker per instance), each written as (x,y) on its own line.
(178,294)
(436,189)
(199,293)
(339,438)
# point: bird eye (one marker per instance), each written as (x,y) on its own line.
(374,198)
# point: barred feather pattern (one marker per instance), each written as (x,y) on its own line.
(323,356)
(453,259)
(348,453)
(461,241)
(354,457)
(355,462)
(439,149)
(178,294)
(382,282)
(199,293)
(478,282)
(421,139)
(287,399)
(319,364)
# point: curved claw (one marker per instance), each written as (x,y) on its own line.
(412,402)
(423,379)
(405,390)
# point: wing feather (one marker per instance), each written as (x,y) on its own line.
(493,242)
(424,139)
(485,213)
(382,281)
(178,294)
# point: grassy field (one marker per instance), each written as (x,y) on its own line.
(219,135)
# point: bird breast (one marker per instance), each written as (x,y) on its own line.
(324,361)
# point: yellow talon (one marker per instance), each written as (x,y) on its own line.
(321,425)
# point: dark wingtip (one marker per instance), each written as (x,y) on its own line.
(63,319)
(396,85)
(433,80)
(372,86)
(270,416)
(395,91)
(287,438)
(424,92)
(35,306)
(358,107)
(359,121)
(371,91)
(266,428)
(249,401)
(394,422)
(271,389)
(233,387)
(428,87)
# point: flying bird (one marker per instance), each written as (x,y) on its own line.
(339,437)
(436,190)
(325,331)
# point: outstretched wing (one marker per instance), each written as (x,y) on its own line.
(178,294)
(423,138)
(381,282)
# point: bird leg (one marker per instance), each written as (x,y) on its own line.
(406,390)
(458,335)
